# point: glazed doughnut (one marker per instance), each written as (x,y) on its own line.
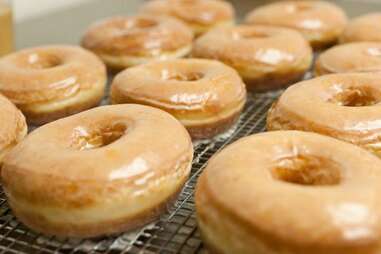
(363,28)
(99,172)
(351,57)
(289,192)
(320,22)
(123,42)
(206,96)
(200,15)
(51,82)
(344,106)
(13,126)
(266,57)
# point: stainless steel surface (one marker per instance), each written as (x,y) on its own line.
(176,231)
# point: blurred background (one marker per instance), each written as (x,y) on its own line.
(53,21)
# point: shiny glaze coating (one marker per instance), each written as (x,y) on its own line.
(51,82)
(321,22)
(13,126)
(344,106)
(351,57)
(206,96)
(363,28)
(99,172)
(200,15)
(289,192)
(266,57)
(126,41)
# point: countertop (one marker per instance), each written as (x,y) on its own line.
(68,24)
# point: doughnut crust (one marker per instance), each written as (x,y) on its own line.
(266,57)
(290,192)
(200,15)
(344,106)
(13,126)
(204,95)
(321,22)
(351,57)
(50,82)
(364,28)
(99,172)
(123,42)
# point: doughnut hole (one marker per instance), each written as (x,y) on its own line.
(356,97)
(187,1)
(300,7)
(185,76)
(85,139)
(306,170)
(250,34)
(40,61)
(141,23)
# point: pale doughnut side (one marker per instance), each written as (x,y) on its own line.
(266,57)
(350,57)
(363,29)
(13,126)
(344,106)
(200,15)
(204,95)
(123,42)
(100,172)
(51,82)
(288,192)
(320,22)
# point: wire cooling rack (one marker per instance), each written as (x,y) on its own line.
(175,232)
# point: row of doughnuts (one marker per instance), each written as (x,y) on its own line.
(293,191)
(111,168)
(266,57)
(116,167)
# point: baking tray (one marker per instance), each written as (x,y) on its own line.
(176,230)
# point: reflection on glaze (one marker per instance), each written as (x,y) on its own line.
(364,125)
(337,88)
(311,24)
(136,167)
(133,36)
(144,179)
(374,51)
(165,74)
(186,98)
(356,220)
(33,58)
(290,8)
(153,44)
(273,56)
(64,83)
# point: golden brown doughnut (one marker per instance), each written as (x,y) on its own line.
(123,42)
(321,22)
(200,15)
(351,57)
(290,192)
(363,28)
(50,82)
(12,128)
(266,57)
(344,106)
(99,172)
(205,96)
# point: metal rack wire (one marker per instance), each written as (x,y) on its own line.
(175,232)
